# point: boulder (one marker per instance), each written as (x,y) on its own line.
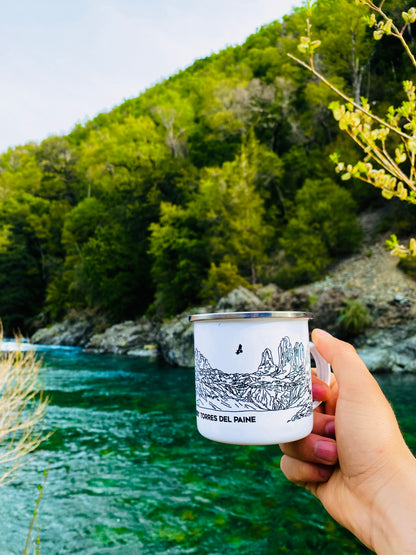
(377,360)
(68,333)
(240,300)
(384,347)
(326,309)
(324,304)
(175,340)
(390,349)
(133,338)
(291,300)
(268,294)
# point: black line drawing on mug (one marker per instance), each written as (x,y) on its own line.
(271,387)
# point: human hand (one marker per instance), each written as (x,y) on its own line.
(355,460)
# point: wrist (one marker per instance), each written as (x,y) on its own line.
(395,512)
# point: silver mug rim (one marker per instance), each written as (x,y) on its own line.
(247,315)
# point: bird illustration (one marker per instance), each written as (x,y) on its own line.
(239,350)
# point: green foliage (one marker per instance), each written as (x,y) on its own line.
(220,281)
(329,209)
(58,161)
(388,143)
(306,257)
(21,284)
(178,247)
(217,177)
(223,224)
(323,227)
(81,222)
(354,318)
(113,275)
(408,265)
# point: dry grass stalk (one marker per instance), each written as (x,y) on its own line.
(22,408)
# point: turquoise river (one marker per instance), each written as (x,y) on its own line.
(129,473)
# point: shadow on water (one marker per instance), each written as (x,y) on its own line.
(129,474)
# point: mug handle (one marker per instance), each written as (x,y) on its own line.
(323,368)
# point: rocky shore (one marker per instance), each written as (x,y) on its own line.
(388,344)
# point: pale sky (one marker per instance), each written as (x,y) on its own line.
(64,61)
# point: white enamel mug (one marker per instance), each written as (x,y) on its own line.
(253,376)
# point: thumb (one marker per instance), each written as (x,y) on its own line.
(362,408)
(351,373)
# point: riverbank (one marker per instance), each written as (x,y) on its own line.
(371,279)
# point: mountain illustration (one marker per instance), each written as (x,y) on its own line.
(271,387)
(267,366)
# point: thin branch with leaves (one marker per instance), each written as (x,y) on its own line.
(389,144)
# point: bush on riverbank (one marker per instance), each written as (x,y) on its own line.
(354,318)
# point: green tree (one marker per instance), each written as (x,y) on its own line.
(68,288)
(223,226)
(346,45)
(324,227)
(19,171)
(232,207)
(58,162)
(180,254)
(106,235)
(22,261)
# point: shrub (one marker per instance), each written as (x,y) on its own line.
(354,318)
(220,281)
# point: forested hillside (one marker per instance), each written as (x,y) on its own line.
(216,177)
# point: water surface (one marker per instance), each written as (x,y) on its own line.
(129,474)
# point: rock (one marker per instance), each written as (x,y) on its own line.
(400,299)
(324,304)
(389,350)
(176,341)
(175,337)
(269,293)
(403,356)
(68,333)
(240,300)
(388,360)
(376,360)
(294,300)
(371,276)
(326,310)
(134,338)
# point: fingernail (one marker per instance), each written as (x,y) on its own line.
(330,429)
(326,450)
(319,392)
